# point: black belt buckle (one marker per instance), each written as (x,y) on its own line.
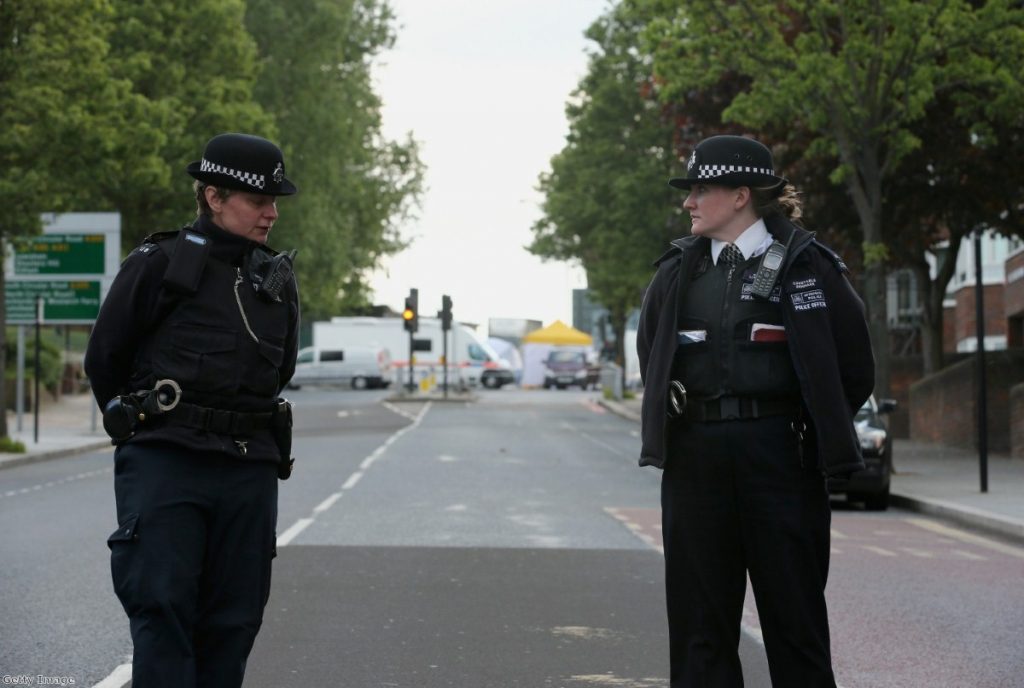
(676,399)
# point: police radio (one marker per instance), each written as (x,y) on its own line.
(270,275)
(770,268)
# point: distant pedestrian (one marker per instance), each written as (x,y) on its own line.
(755,356)
(192,347)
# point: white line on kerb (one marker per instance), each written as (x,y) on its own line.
(118,677)
(303,523)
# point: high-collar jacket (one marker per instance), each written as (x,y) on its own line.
(826,330)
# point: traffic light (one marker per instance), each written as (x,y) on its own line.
(411,313)
(446,313)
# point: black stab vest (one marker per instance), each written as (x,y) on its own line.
(224,345)
(718,301)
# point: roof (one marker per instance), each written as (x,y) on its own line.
(558,333)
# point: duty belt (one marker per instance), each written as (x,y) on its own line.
(738,408)
(235,423)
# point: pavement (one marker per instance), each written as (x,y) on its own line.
(934,479)
(939,480)
(65,428)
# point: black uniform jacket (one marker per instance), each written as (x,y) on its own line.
(826,330)
(133,311)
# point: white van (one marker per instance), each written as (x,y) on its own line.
(362,367)
(470,360)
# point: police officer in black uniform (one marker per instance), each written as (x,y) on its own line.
(194,343)
(755,355)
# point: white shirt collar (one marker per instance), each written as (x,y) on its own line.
(753,241)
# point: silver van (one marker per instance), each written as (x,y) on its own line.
(362,367)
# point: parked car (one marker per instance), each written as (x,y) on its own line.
(871,485)
(567,368)
(362,367)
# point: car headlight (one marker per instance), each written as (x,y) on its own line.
(872,440)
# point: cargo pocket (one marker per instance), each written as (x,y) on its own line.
(123,545)
(200,359)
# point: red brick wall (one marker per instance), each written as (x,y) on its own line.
(995,313)
(949,329)
(942,406)
(1017,420)
(1013,299)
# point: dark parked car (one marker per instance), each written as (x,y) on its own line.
(870,485)
(567,368)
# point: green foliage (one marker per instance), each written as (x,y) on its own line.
(11,446)
(355,187)
(859,77)
(606,202)
(192,67)
(51,364)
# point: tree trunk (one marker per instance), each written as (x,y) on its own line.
(931,319)
(933,294)
(878,327)
(618,317)
(3,348)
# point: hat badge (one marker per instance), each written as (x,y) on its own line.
(278,173)
(691,162)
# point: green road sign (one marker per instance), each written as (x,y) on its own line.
(59,254)
(63,301)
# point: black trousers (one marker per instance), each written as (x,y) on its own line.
(736,501)
(191,561)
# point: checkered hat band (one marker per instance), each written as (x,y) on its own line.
(257,181)
(712,171)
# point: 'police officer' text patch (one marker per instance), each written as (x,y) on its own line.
(806,300)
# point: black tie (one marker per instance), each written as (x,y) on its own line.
(730,255)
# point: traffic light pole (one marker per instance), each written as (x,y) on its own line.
(412,384)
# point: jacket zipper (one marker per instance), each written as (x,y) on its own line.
(238,300)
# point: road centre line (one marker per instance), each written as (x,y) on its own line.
(600,443)
(391,407)
(966,537)
(303,523)
(117,678)
(55,483)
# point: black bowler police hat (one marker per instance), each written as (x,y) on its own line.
(244,163)
(730,161)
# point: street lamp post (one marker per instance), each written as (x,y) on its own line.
(979,319)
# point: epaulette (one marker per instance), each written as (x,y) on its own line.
(151,243)
(836,259)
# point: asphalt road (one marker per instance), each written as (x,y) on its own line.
(510,542)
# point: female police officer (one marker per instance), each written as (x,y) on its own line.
(196,339)
(755,355)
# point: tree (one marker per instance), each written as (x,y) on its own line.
(354,186)
(606,201)
(857,74)
(61,111)
(192,66)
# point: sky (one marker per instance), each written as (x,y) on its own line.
(482,86)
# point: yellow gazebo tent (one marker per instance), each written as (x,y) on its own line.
(537,344)
(559,334)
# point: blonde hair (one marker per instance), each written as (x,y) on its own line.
(202,207)
(768,200)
